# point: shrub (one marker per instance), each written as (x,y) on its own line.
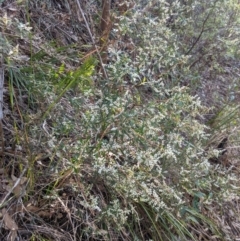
(126,157)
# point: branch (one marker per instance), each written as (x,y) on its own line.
(105,27)
(1,104)
(202,30)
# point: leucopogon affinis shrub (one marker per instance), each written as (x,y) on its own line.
(150,148)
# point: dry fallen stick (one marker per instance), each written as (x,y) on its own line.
(1,105)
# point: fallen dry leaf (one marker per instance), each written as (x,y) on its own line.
(8,221)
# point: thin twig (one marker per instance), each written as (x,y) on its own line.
(1,103)
(92,39)
(66,209)
(202,30)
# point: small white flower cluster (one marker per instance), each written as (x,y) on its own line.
(116,213)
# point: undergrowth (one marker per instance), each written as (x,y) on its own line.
(128,145)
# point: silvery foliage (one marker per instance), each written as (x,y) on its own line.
(147,146)
(151,146)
